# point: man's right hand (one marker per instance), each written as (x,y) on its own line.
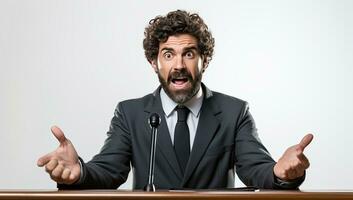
(62,164)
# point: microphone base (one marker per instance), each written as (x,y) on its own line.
(149,188)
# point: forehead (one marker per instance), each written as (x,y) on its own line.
(179,42)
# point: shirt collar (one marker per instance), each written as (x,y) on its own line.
(194,104)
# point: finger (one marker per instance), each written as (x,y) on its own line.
(297,167)
(56,179)
(305,141)
(73,177)
(300,168)
(290,174)
(66,174)
(59,134)
(296,170)
(304,161)
(51,165)
(57,172)
(298,173)
(44,159)
(75,174)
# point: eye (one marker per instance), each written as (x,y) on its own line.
(189,54)
(168,55)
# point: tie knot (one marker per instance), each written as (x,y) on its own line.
(182,113)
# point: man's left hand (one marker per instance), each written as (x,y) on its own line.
(293,162)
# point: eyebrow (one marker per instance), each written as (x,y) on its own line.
(191,48)
(167,49)
(185,49)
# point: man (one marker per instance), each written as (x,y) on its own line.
(203,138)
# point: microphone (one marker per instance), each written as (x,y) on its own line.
(154,122)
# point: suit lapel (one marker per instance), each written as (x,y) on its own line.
(206,129)
(164,143)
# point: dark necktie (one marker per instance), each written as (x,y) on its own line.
(182,137)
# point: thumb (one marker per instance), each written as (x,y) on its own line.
(59,134)
(306,141)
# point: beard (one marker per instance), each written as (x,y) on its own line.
(183,95)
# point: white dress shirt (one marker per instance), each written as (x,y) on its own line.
(171,116)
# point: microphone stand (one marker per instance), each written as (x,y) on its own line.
(154,122)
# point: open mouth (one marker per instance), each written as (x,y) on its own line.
(180,82)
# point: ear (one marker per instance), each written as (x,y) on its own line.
(154,65)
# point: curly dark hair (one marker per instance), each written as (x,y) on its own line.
(178,22)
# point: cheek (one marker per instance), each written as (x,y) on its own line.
(163,68)
(196,67)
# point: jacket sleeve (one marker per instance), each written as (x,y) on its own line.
(110,168)
(254,164)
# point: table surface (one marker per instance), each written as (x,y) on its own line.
(182,194)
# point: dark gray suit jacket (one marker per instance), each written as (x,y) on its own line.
(226,141)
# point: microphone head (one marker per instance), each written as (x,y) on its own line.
(154,120)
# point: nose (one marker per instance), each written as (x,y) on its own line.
(180,64)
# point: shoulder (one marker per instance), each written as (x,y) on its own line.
(224,99)
(221,98)
(136,103)
(233,109)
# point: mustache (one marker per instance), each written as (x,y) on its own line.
(183,73)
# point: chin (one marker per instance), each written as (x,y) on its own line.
(180,99)
(180,96)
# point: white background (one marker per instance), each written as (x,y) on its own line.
(69,63)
